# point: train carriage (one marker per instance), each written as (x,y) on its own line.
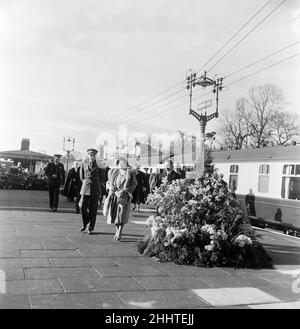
(271,174)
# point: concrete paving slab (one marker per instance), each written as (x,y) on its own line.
(9,253)
(277,278)
(24,262)
(224,281)
(287,305)
(182,270)
(77,301)
(161,299)
(108,250)
(12,273)
(29,243)
(55,273)
(81,262)
(136,260)
(282,293)
(14,302)
(234,296)
(27,287)
(49,253)
(56,243)
(168,283)
(120,271)
(99,285)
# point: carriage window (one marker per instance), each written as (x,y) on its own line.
(234,169)
(290,187)
(263,178)
(289,169)
(264,169)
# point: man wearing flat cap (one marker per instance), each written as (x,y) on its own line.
(55,172)
(92,176)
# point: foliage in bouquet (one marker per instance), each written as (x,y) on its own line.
(22,181)
(201,224)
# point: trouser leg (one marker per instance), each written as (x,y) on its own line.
(93,207)
(56,197)
(51,195)
(85,210)
(77,202)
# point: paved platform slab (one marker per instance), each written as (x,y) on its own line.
(234,296)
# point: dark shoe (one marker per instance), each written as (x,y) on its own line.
(54,209)
(83,229)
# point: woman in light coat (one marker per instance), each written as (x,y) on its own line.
(121,184)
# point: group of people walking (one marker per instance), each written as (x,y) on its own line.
(88,183)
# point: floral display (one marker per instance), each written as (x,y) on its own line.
(201,224)
(22,181)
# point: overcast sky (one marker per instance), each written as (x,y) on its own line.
(68,66)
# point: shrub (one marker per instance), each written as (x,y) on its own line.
(201,224)
(22,181)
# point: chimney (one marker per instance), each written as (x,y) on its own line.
(25,144)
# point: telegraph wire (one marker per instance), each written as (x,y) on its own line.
(140,109)
(264,69)
(246,36)
(260,60)
(228,41)
(169,109)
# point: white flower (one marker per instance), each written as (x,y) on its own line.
(150,221)
(223,235)
(209,247)
(154,230)
(243,240)
(192,202)
(210,229)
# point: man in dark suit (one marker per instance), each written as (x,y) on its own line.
(78,185)
(55,172)
(171,173)
(92,177)
(179,171)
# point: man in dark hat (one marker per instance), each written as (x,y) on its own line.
(171,173)
(92,177)
(55,172)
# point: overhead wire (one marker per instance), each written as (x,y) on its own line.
(261,60)
(247,35)
(261,70)
(235,34)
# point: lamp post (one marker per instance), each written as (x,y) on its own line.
(203,81)
(68,148)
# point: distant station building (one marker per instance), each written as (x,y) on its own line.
(28,159)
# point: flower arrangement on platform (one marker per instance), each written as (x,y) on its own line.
(22,181)
(201,224)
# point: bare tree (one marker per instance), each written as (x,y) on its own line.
(235,127)
(284,127)
(262,105)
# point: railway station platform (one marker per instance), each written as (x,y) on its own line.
(48,263)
